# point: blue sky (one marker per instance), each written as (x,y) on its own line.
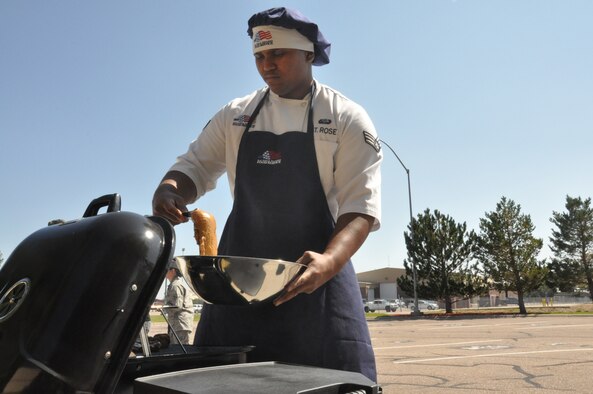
(480,99)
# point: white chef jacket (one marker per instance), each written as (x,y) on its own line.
(346,145)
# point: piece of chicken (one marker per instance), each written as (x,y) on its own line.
(205,232)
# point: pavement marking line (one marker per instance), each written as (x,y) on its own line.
(491,355)
(436,344)
(443,325)
(480,325)
(560,326)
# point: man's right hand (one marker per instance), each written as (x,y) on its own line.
(171,196)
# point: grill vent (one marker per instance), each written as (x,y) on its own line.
(13,298)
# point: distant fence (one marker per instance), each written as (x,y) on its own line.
(485,302)
(558,299)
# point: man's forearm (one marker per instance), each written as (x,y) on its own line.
(352,229)
(182,184)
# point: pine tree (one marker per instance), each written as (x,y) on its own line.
(564,275)
(572,241)
(509,250)
(442,250)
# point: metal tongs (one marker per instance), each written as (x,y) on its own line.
(187,214)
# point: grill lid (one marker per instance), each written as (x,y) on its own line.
(73,297)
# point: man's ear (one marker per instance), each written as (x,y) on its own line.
(310,57)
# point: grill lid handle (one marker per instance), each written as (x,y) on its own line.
(111,201)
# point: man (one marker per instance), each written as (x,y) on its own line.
(179,307)
(303,165)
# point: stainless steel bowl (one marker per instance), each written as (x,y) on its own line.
(232,280)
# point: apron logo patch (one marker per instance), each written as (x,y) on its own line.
(325,121)
(372,141)
(270,157)
(241,120)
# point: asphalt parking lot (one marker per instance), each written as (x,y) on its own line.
(512,354)
(505,354)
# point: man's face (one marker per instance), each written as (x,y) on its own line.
(286,71)
(170,274)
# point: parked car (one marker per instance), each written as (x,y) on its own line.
(396,304)
(198,308)
(424,304)
(378,305)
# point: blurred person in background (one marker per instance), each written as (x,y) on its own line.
(178,306)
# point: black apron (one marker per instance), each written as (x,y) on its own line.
(279,212)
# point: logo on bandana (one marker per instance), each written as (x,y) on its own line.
(262,38)
(241,120)
(270,157)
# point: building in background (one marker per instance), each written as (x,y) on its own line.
(381,283)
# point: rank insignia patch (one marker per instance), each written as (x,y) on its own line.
(371,140)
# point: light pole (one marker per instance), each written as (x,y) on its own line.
(416,311)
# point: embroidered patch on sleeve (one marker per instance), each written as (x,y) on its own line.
(372,141)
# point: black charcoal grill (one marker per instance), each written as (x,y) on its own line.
(73,298)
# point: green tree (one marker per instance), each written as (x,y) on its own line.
(563,275)
(442,250)
(508,250)
(572,241)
